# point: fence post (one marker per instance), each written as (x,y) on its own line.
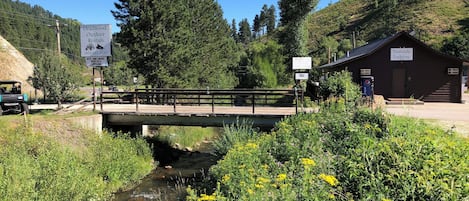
(253,102)
(136,99)
(296,100)
(213,103)
(174,103)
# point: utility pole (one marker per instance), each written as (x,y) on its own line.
(57,31)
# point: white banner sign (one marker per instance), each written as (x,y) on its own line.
(96,61)
(302,63)
(402,54)
(301,76)
(95,40)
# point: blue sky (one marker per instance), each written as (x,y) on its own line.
(99,11)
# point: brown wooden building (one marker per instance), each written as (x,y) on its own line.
(404,67)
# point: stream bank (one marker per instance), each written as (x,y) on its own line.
(177,169)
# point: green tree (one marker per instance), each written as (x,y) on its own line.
(59,82)
(178,43)
(457,46)
(256,26)
(244,34)
(271,19)
(266,69)
(293,14)
(234,30)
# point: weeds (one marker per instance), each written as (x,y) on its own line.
(34,166)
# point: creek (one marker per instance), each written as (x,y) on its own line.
(176,170)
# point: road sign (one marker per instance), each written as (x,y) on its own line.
(302,63)
(301,76)
(95,40)
(96,61)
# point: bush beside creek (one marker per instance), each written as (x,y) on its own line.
(343,152)
(36,166)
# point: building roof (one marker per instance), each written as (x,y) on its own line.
(374,46)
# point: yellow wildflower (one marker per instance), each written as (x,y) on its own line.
(225,178)
(307,162)
(281,177)
(331,196)
(385,199)
(331,180)
(251,145)
(250,192)
(205,197)
(259,186)
(262,180)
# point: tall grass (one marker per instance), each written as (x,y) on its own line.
(185,136)
(36,167)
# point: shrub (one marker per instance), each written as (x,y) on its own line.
(339,154)
(238,132)
(340,85)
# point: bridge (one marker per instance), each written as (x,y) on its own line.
(128,111)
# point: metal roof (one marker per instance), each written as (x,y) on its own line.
(372,47)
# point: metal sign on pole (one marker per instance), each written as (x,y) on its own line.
(95,40)
(301,66)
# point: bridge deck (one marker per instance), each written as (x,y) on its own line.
(197,110)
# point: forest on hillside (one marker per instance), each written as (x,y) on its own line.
(189,44)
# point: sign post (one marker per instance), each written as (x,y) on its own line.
(95,40)
(301,66)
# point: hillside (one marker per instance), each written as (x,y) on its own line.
(14,66)
(432,20)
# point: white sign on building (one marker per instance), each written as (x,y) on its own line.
(95,40)
(402,54)
(301,63)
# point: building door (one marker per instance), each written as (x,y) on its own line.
(398,82)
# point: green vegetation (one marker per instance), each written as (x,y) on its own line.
(185,136)
(171,49)
(343,152)
(337,155)
(86,166)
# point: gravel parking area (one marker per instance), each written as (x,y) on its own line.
(451,116)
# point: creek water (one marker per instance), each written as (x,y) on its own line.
(176,170)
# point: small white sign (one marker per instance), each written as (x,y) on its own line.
(95,40)
(453,71)
(365,71)
(96,61)
(402,54)
(301,76)
(301,63)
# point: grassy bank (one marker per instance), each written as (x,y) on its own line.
(342,153)
(48,158)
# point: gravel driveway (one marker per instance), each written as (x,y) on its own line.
(449,115)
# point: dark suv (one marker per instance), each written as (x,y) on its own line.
(11,98)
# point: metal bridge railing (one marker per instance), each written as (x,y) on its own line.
(212,97)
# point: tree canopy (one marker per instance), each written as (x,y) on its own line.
(178,43)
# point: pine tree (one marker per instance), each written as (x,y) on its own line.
(256,26)
(293,15)
(244,31)
(271,19)
(234,30)
(178,43)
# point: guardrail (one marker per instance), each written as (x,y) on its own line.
(213,97)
